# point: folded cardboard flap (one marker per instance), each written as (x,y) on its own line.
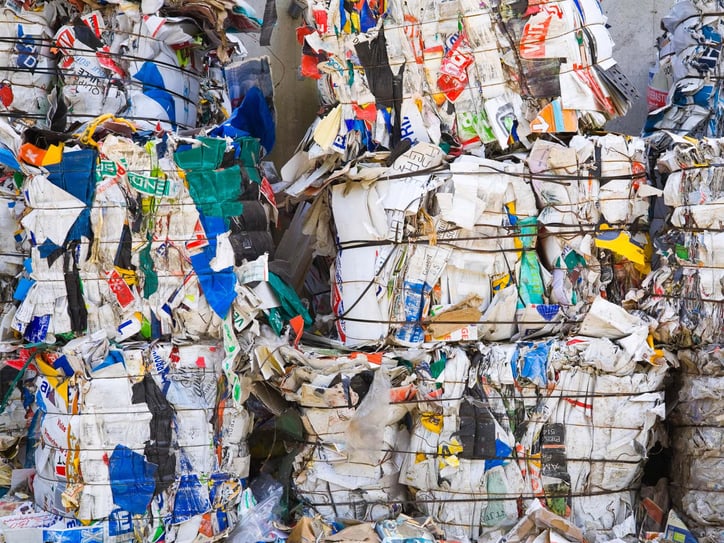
(537,518)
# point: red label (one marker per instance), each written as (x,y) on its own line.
(656,99)
(94,21)
(65,39)
(199,241)
(120,289)
(454,71)
(268,193)
(19,362)
(106,60)
(320,20)
(532,44)
(6,95)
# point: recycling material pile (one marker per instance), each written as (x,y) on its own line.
(123,240)
(131,220)
(153,62)
(494,296)
(480,341)
(558,438)
(146,243)
(462,246)
(698,440)
(452,257)
(685,290)
(463,74)
(138,448)
(686,286)
(685,86)
(356,438)
(493,426)
(686,297)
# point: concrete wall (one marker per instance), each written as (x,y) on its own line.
(295,98)
(634,27)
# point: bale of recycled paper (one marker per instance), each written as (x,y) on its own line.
(351,407)
(565,421)
(146,67)
(684,95)
(482,249)
(697,439)
(174,461)
(478,75)
(158,65)
(27,66)
(685,290)
(155,258)
(350,466)
(544,419)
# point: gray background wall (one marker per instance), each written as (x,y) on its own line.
(295,98)
(634,25)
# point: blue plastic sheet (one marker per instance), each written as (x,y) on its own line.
(75,174)
(530,361)
(154,87)
(191,499)
(252,118)
(218,287)
(132,480)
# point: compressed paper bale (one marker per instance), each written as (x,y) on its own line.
(27,63)
(686,289)
(158,432)
(473,230)
(696,440)
(119,269)
(680,96)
